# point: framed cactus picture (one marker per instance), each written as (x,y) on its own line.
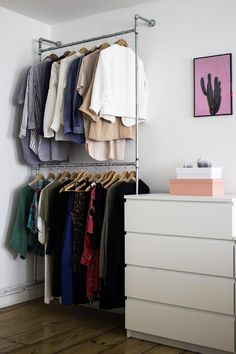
(213,85)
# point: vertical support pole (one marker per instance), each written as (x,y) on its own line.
(35,257)
(37,172)
(136,104)
(40,50)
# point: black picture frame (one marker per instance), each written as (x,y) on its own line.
(212,85)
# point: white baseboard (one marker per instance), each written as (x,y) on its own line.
(174,343)
(22,293)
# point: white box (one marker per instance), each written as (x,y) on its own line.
(198,172)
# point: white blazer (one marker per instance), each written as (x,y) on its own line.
(114,86)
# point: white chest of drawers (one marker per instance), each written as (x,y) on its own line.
(180,271)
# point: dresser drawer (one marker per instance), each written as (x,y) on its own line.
(180,218)
(182,289)
(186,325)
(212,257)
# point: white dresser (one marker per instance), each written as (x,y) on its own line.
(180,271)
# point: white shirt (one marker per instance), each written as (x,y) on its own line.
(114,86)
(58,118)
(51,101)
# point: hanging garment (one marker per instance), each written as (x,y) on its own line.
(51,101)
(22,239)
(35,147)
(66,256)
(90,256)
(51,150)
(102,130)
(55,237)
(109,206)
(44,223)
(58,118)
(30,157)
(112,293)
(86,72)
(32,222)
(104,150)
(114,86)
(36,79)
(73,118)
(99,150)
(98,216)
(23,98)
(47,78)
(79,217)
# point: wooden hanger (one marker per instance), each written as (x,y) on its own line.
(122,42)
(68,53)
(74,175)
(38,177)
(108,177)
(52,57)
(50,176)
(104,46)
(124,176)
(132,175)
(58,176)
(94,180)
(78,179)
(114,179)
(81,186)
(83,50)
(94,176)
(65,174)
(103,176)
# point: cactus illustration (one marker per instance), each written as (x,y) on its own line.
(213,96)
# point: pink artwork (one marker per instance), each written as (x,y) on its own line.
(213,85)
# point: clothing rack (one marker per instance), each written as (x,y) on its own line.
(84,164)
(59,45)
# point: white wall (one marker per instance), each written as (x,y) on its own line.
(185,29)
(18,36)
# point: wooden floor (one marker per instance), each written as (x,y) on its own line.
(33,327)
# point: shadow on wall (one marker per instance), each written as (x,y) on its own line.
(12,134)
(15,121)
(14,197)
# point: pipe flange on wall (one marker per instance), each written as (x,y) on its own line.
(151,23)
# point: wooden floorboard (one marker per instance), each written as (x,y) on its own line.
(34,327)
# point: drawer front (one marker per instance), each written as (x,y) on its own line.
(212,257)
(186,325)
(188,290)
(196,219)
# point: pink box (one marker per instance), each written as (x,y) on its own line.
(196,186)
